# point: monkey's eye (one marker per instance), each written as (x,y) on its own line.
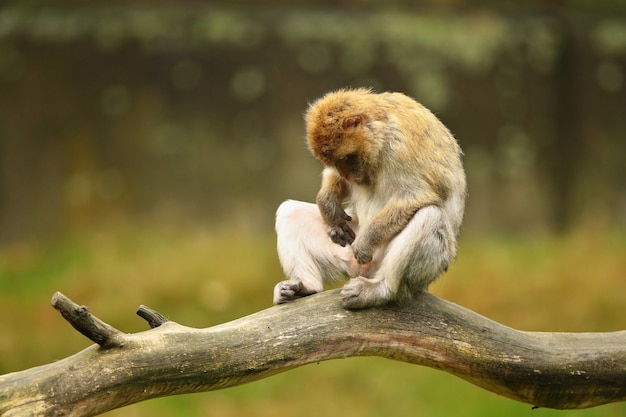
(350,161)
(350,167)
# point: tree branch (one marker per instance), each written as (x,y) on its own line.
(555,370)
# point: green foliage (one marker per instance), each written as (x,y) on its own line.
(201,278)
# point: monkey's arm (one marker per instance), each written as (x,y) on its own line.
(387,224)
(329,200)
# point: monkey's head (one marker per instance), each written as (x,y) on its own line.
(336,133)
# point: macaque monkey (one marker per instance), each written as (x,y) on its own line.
(390,206)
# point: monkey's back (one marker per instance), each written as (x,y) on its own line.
(419,153)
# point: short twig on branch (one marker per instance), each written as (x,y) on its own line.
(81,319)
(554,370)
(154,318)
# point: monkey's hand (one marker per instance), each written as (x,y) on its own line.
(363,251)
(341,233)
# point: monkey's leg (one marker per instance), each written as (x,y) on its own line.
(411,261)
(307,255)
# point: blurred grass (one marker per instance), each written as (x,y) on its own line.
(201,278)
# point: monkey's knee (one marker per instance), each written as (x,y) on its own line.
(421,252)
(293,210)
(290,290)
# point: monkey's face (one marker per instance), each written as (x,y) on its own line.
(352,168)
(339,142)
(328,145)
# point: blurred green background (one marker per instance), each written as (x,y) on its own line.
(145,145)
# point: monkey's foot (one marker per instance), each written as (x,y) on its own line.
(362,292)
(290,290)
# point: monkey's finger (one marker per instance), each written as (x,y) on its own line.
(351,235)
(336,235)
(347,217)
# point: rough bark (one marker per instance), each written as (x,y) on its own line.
(555,370)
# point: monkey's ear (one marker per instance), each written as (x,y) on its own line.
(352,121)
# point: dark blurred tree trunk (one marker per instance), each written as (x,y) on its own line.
(564,151)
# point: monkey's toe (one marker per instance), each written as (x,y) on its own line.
(286,291)
(350,297)
(362,292)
